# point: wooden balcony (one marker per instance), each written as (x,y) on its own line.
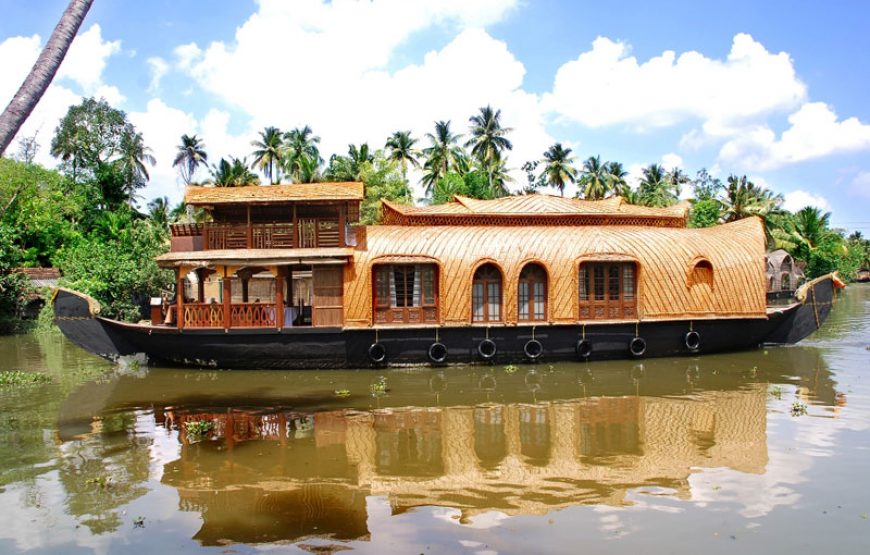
(307,233)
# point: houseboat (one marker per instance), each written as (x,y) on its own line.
(283,276)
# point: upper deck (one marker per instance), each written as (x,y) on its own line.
(297,216)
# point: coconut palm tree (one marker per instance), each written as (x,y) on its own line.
(615,176)
(654,188)
(233,173)
(349,168)
(131,162)
(400,149)
(269,153)
(158,211)
(743,199)
(677,178)
(442,156)
(488,139)
(593,179)
(559,167)
(499,176)
(190,155)
(40,77)
(301,144)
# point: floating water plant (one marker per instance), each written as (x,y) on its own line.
(197,429)
(776,392)
(379,386)
(798,409)
(342,393)
(11,378)
(510,369)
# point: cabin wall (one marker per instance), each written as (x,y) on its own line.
(665,257)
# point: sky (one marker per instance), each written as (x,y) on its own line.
(775,90)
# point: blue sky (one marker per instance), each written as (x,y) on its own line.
(775,90)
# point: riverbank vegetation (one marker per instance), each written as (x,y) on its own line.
(87,217)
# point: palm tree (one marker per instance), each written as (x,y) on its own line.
(269,153)
(40,77)
(499,177)
(133,157)
(191,154)
(744,199)
(442,156)
(158,211)
(677,178)
(616,178)
(233,173)
(558,167)
(654,188)
(593,179)
(300,144)
(350,167)
(488,140)
(400,149)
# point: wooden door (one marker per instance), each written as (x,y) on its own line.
(328,302)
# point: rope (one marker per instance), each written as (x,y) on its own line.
(584,332)
(816,308)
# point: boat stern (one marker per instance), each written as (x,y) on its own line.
(77,316)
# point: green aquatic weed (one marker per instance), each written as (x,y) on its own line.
(342,393)
(11,378)
(197,429)
(798,409)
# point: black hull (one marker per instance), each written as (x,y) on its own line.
(298,348)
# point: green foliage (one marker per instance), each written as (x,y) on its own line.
(474,184)
(98,146)
(115,265)
(234,172)
(198,429)
(383,181)
(10,378)
(705,213)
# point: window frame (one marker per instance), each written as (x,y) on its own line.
(384,311)
(596,282)
(533,294)
(494,277)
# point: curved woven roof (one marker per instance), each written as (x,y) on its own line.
(665,256)
(522,209)
(199,195)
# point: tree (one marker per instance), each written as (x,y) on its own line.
(488,139)
(269,153)
(654,188)
(98,144)
(158,211)
(234,172)
(743,199)
(43,72)
(615,177)
(559,167)
(443,154)
(349,168)
(593,179)
(400,149)
(676,178)
(190,155)
(383,181)
(301,151)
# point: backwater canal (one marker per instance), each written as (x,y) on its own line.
(757,452)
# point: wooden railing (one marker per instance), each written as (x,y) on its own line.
(310,233)
(203,315)
(253,315)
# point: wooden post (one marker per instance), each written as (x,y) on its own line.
(295,229)
(200,285)
(245,290)
(179,298)
(342,219)
(250,234)
(279,299)
(228,299)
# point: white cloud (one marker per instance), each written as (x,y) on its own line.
(161,127)
(186,55)
(814,132)
(799,199)
(158,68)
(672,160)
(82,69)
(87,58)
(608,86)
(341,85)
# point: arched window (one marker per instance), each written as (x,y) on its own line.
(702,272)
(532,294)
(786,265)
(785,282)
(486,294)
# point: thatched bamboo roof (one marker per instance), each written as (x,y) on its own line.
(535,209)
(665,258)
(298,192)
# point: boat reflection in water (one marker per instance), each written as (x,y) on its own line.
(529,441)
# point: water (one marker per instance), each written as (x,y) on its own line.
(711,454)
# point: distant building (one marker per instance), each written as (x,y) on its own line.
(783,274)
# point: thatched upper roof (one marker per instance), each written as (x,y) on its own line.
(206,195)
(539,208)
